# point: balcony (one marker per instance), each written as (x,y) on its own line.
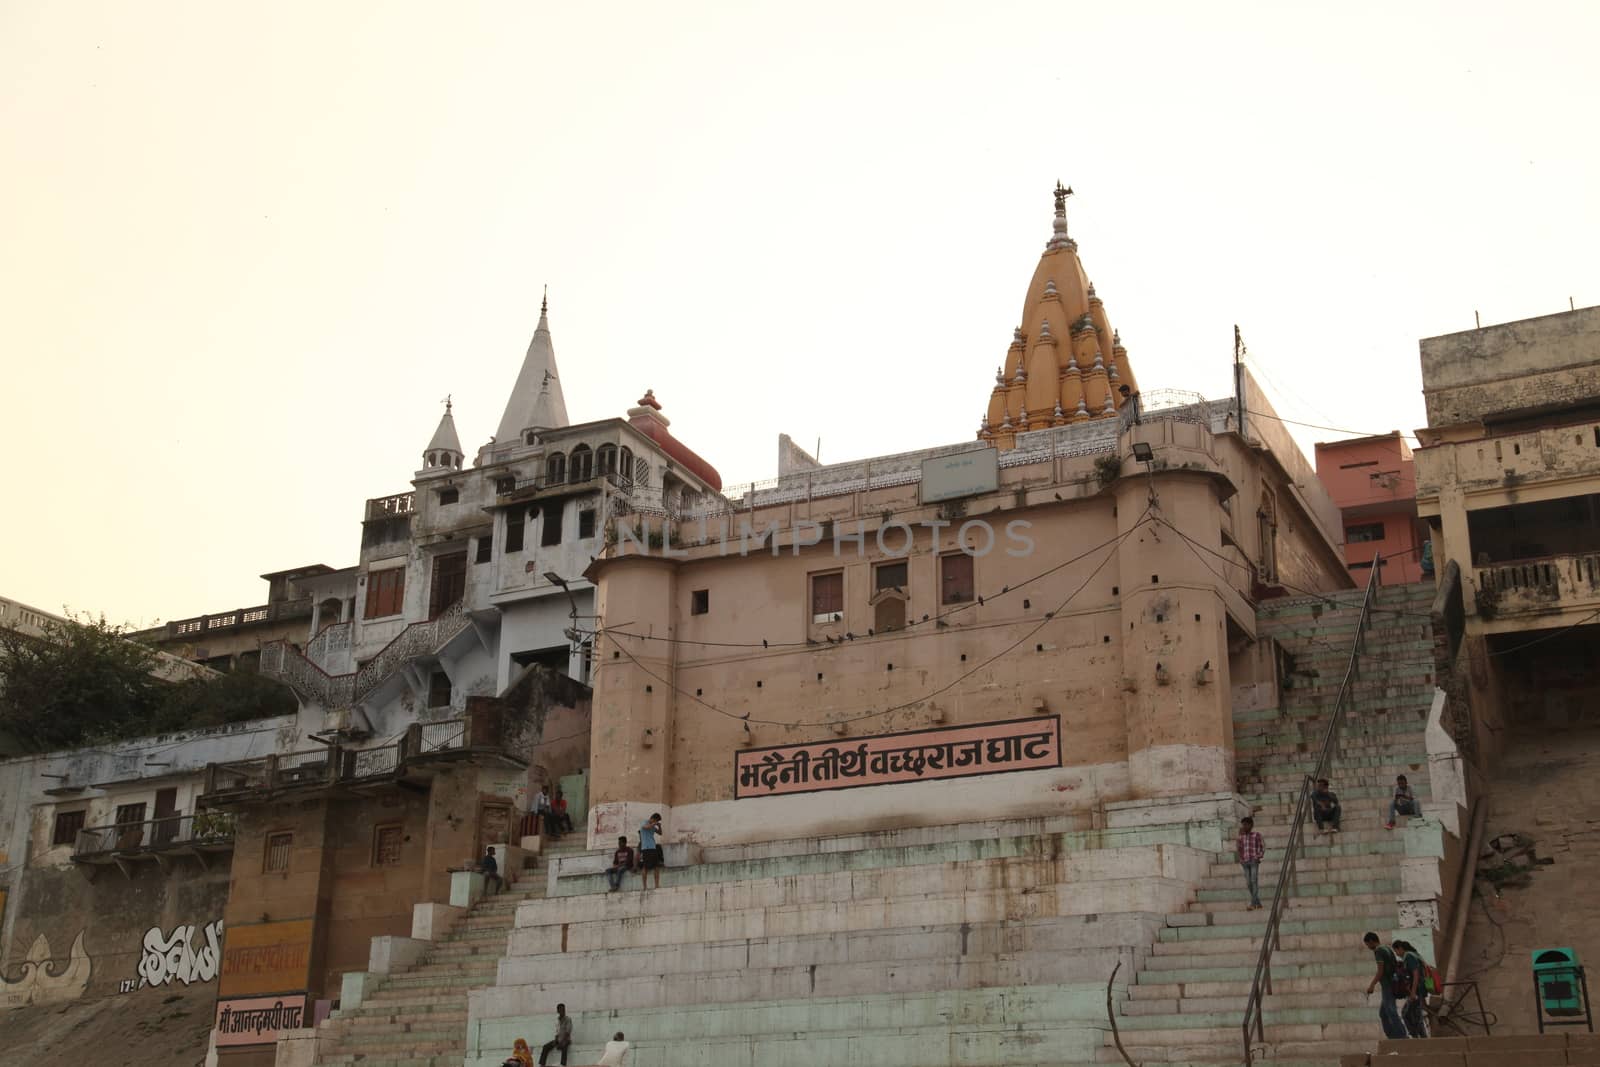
(1544,589)
(198,836)
(338,768)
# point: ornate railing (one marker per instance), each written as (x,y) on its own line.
(418,639)
(330,639)
(283,662)
(1261,985)
(207,828)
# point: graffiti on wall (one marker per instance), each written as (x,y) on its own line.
(178,956)
(43,980)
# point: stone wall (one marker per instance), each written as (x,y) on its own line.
(1533,364)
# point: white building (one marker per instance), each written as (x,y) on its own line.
(475,572)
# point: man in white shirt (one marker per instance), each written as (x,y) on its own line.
(616,1053)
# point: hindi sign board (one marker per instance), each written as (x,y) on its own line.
(266,957)
(963,474)
(259,1020)
(887,759)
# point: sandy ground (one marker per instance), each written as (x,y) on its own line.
(146,1029)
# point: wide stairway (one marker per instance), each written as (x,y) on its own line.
(989,944)
(418,1017)
(1189,1000)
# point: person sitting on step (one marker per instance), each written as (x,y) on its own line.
(1325,808)
(1404,802)
(492,882)
(621,864)
(521,1055)
(616,1053)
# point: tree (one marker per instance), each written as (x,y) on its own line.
(87,681)
(79,681)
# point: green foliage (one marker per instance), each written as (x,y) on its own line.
(87,681)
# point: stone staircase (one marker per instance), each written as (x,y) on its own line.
(1188,1001)
(418,1017)
(983,944)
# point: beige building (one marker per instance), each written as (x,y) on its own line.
(1508,478)
(1072,602)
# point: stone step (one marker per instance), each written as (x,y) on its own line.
(1250,941)
(1243,952)
(1279,1002)
(1285,1044)
(1310,970)
(1087,948)
(1289,924)
(1218,905)
(1310,866)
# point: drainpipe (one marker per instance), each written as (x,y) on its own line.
(1469,867)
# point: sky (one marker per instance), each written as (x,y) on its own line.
(247,250)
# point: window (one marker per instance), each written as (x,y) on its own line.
(699,602)
(276,857)
(586,522)
(130,826)
(581,469)
(625,463)
(485,549)
(438,690)
(1367,531)
(68,823)
(386,841)
(386,592)
(827,597)
(606,459)
(516,519)
(551,534)
(505,485)
(555,469)
(889,576)
(641,469)
(1353,466)
(449,496)
(449,581)
(955,579)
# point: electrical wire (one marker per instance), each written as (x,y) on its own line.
(977,601)
(746,718)
(1250,414)
(1549,636)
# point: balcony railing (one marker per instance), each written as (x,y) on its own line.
(282,661)
(391,507)
(1538,584)
(204,625)
(212,831)
(337,765)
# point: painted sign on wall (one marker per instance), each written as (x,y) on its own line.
(258,1020)
(963,474)
(266,957)
(921,755)
(42,980)
(179,957)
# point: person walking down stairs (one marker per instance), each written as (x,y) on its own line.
(1251,850)
(1388,974)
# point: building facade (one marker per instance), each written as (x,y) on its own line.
(1090,581)
(1508,479)
(1373,482)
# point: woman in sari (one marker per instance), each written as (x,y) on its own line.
(521,1055)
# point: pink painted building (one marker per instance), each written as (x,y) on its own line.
(1373,482)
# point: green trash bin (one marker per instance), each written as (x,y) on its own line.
(1559,984)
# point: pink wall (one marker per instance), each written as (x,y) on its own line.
(1373,482)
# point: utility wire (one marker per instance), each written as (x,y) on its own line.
(1049,615)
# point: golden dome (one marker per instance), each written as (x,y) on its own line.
(1065,363)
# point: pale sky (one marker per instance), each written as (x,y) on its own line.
(246,250)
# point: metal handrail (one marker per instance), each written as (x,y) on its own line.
(1261,985)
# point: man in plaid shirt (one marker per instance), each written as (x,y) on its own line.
(1250,849)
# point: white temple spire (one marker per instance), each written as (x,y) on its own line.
(536,402)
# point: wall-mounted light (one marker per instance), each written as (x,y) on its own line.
(1143,452)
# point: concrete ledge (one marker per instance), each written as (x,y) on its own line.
(431,922)
(296,1048)
(1224,808)
(466,888)
(390,954)
(353,990)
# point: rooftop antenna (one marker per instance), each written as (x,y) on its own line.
(817,455)
(1476,321)
(1570,305)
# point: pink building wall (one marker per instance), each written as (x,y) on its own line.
(1373,482)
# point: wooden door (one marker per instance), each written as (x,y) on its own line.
(449,581)
(166,828)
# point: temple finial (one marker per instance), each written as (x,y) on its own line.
(447,397)
(1062,192)
(1058,225)
(544,304)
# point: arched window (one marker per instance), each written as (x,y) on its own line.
(533,438)
(555,469)
(606,459)
(625,463)
(581,469)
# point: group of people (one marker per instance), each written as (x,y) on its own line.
(649,857)
(615,1054)
(1402,973)
(551,818)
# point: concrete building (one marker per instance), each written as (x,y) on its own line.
(231,639)
(1508,479)
(1373,482)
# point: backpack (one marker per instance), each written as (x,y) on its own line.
(1432,980)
